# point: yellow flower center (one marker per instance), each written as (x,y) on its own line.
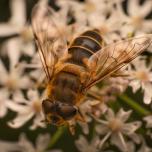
(11,83)
(142,75)
(115,125)
(137,21)
(37,106)
(89,7)
(104,29)
(27,34)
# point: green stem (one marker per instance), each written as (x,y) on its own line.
(139,108)
(56,136)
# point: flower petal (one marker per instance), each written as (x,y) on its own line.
(135,84)
(133,7)
(110,114)
(25,82)
(38,122)
(33,95)
(7,29)
(3,73)
(130,128)
(145,8)
(123,115)
(12,47)
(42,142)
(119,141)
(20,119)
(24,144)
(19,97)
(147,93)
(102,129)
(148,120)
(18,11)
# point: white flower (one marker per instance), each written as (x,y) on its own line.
(108,16)
(24,145)
(36,73)
(116,126)
(26,110)
(93,14)
(119,83)
(84,146)
(135,21)
(138,19)
(8,146)
(113,87)
(41,144)
(88,108)
(141,76)
(13,79)
(16,25)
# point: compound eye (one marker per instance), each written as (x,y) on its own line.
(67,111)
(47,106)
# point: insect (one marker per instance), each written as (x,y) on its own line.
(72,69)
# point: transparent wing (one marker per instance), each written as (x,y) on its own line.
(114,56)
(50,41)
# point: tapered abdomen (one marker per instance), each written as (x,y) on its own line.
(84,46)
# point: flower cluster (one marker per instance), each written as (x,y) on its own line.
(22,76)
(24,145)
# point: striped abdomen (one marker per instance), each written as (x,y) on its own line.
(84,46)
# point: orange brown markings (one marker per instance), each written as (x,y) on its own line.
(49,90)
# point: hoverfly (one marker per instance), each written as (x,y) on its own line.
(72,69)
